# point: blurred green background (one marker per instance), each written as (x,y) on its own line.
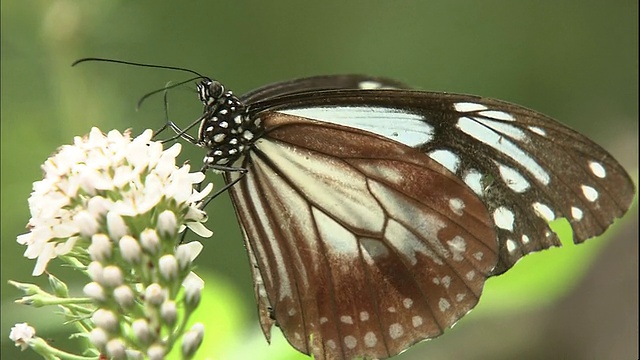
(574,60)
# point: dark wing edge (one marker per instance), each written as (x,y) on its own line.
(320,83)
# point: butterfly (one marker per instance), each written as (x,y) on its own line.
(373,214)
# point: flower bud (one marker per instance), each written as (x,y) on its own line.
(116,225)
(156,352)
(94,291)
(105,319)
(154,294)
(169,312)
(94,270)
(130,249)
(123,296)
(60,289)
(192,295)
(86,223)
(100,248)
(141,330)
(134,355)
(116,349)
(112,276)
(150,241)
(167,223)
(168,265)
(192,339)
(99,338)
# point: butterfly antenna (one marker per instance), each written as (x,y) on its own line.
(167,87)
(137,64)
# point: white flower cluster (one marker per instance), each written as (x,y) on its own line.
(113,207)
(107,181)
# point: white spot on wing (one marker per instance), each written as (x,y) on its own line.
(470,275)
(503,128)
(514,180)
(369,84)
(590,193)
(446,158)
(458,246)
(407,303)
(538,130)
(443,304)
(395,330)
(416,321)
(468,107)
(370,339)
(505,146)
(346,319)
(473,179)
(511,245)
(499,115)
(456,205)
(597,169)
(395,124)
(576,213)
(503,218)
(364,316)
(543,211)
(350,342)
(525,239)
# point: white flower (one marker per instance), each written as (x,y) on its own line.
(21,334)
(186,253)
(101,181)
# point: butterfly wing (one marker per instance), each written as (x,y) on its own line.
(526,168)
(354,252)
(317,83)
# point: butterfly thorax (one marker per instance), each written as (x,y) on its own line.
(226,128)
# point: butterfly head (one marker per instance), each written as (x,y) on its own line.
(226,128)
(210,91)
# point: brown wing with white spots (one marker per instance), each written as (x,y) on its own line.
(527,168)
(361,246)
